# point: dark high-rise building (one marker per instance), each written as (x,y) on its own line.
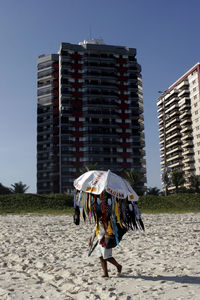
(90,112)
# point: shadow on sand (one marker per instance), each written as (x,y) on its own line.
(177,279)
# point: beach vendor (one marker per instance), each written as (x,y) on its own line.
(104,254)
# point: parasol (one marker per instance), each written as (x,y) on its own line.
(103,193)
(96,182)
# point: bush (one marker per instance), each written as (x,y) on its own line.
(171,203)
(56,203)
(16,203)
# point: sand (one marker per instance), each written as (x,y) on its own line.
(46,257)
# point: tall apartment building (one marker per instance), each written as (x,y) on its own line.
(90,111)
(179,125)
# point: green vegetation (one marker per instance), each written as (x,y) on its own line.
(33,203)
(174,203)
(16,188)
(153,191)
(178,179)
(195,183)
(63,204)
(19,188)
(4,190)
(134,179)
(87,168)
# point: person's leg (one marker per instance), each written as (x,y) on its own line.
(115,263)
(104,266)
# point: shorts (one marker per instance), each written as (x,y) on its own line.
(103,252)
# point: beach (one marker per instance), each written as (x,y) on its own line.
(46,257)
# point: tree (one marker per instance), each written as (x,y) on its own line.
(4,189)
(19,188)
(195,183)
(153,191)
(177,179)
(134,179)
(88,168)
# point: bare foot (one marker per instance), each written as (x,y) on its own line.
(104,276)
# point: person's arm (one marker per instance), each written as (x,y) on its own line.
(92,238)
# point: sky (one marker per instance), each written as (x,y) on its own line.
(164,32)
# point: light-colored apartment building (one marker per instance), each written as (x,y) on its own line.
(179,125)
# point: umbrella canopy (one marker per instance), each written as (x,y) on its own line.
(97,181)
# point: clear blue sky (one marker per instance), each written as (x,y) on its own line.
(164,32)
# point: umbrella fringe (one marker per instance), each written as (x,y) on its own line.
(119,212)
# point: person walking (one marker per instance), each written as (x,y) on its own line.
(103,253)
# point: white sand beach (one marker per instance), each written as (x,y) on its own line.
(46,257)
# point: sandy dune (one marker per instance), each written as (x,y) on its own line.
(46,257)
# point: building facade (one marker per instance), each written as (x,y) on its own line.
(90,112)
(179,125)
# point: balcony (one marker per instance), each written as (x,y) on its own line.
(186,122)
(170,122)
(95,58)
(187,136)
(183,92)
(175,157)
(185,114)
(187,143)
(104,86)
(188,167)
(188,151)
(184,102)
(45,121)
(172,114)
(160,123)
(161,136)
(160,109)
(173,128)
(175,149)
(102,75)
(184,83)
(187,128)
(101,93)
(173,142)
(189,159)
(171,101)
(173,135)
(65,58)
(171,94)
(100,66)
(45,130)
(172,109)
(175,164)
